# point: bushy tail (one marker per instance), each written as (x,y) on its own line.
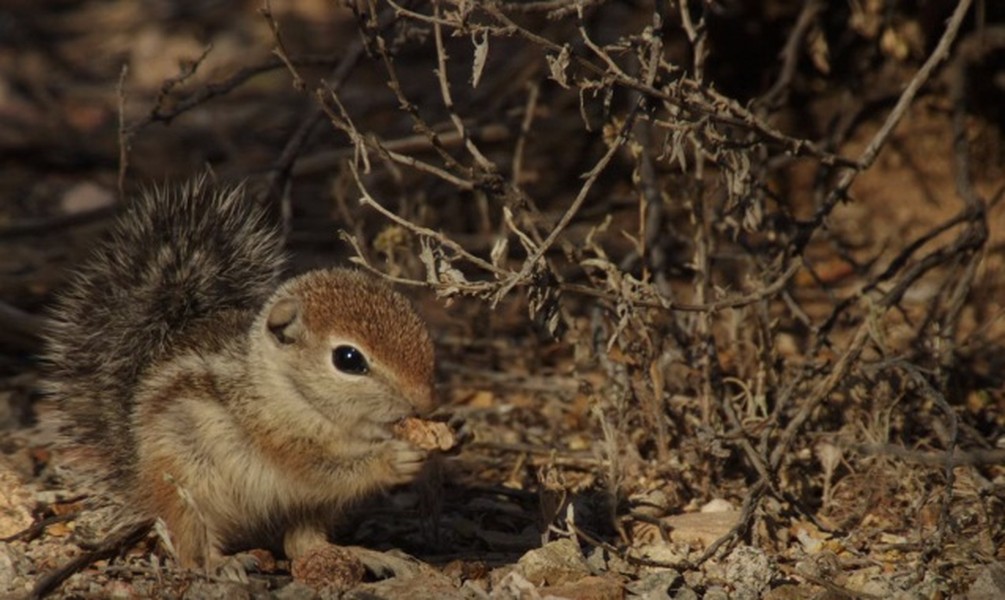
(175,256)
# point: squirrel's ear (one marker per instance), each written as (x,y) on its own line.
(284,322)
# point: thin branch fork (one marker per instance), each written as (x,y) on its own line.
(577,203)
(367,200)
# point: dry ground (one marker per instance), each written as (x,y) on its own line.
(717,289)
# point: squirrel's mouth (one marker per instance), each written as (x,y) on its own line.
(391,416)
(394,409)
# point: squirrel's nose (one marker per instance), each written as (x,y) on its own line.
(423,398)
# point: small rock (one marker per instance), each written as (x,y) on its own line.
(296,591)
(749,571)
(601,560)
(328,567)
(662,553)
(460,571)
(990,583)
(14,572)
(514,585)
(653,586)
(426,584)
(217,590)
(15,502)
(701,529)
(717,505)
(86,197)
(653,503)
(554,563)
(588,588)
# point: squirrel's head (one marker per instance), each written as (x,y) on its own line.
(350,345)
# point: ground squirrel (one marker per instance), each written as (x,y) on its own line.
(244,412)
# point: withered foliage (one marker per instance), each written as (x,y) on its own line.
(734,328)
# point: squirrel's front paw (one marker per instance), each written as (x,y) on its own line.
(404,460)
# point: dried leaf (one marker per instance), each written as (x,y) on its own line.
(481,55)
(499,250)
(819,50)
(557,66)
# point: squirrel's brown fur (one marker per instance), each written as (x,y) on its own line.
(210,389)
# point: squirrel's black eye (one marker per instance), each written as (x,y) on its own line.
(349,360)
